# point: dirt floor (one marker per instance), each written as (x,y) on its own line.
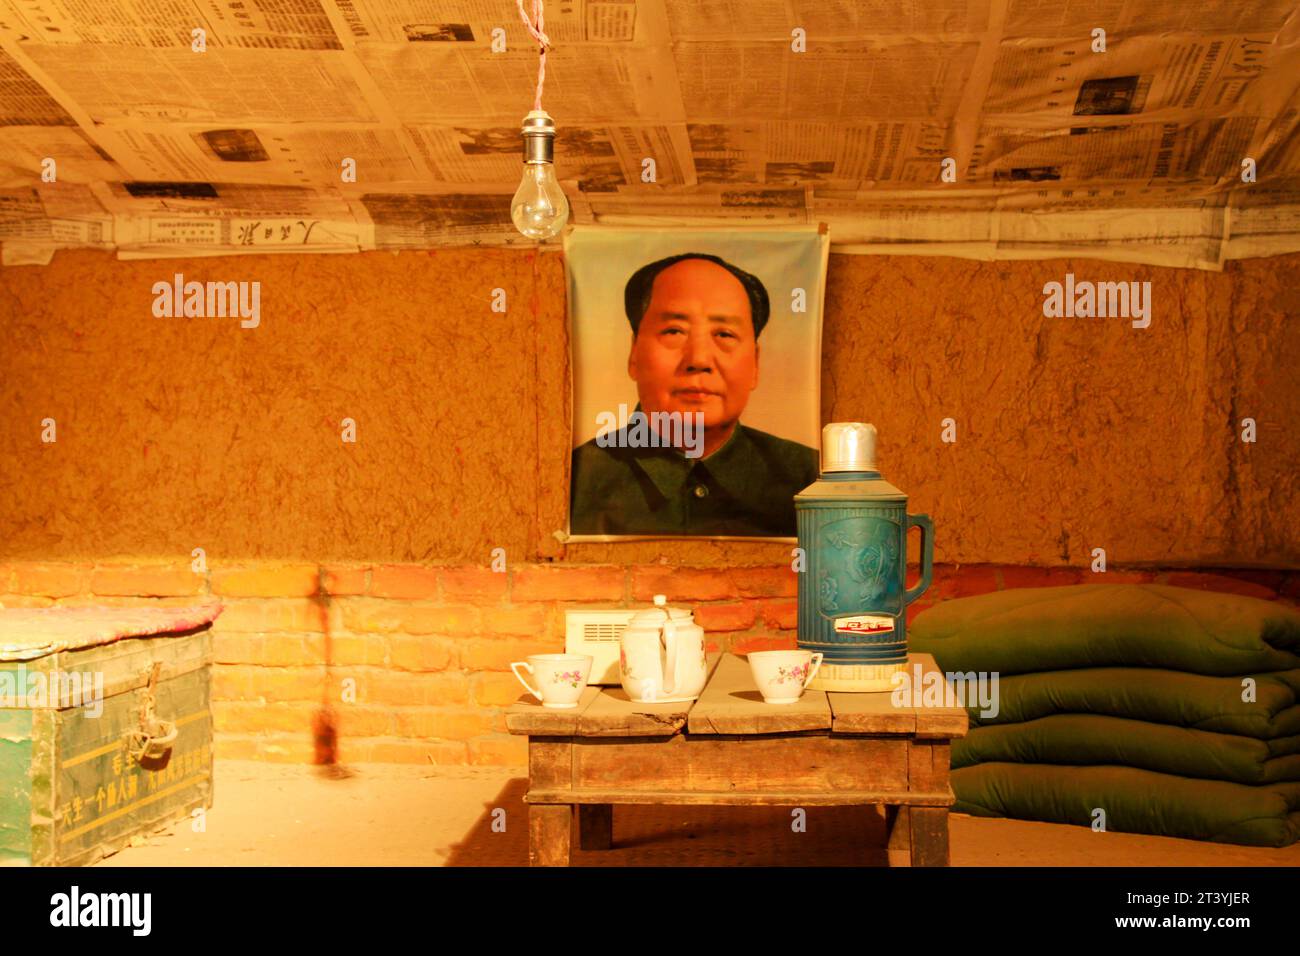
(277,815)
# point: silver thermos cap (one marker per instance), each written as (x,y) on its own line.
(848,446)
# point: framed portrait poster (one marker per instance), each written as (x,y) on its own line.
(696,356)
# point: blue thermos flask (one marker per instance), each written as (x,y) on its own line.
(852,593)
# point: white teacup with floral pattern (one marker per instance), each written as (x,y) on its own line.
(781,676)
(561,678)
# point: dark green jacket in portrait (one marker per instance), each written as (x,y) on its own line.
(746,487)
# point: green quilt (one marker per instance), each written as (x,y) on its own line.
(1029,630)
(1096,739)
(1175,711)
(1266,708)
(1134,801)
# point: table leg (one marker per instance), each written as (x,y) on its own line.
(898,836)
(929,836)
(595,826)
(550,828)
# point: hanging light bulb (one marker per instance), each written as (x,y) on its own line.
(540,208)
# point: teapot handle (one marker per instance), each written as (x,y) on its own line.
(668,637)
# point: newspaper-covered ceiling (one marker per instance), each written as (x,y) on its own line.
(1162,131)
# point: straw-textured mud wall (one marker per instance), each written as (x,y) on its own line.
(1071,433)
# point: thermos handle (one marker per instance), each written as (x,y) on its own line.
(927,556)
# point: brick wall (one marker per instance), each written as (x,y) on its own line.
(429,648)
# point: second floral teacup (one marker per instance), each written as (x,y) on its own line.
(561,678)
(781,676)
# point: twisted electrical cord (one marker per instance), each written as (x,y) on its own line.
(536,29)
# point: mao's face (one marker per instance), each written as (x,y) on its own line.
(695,350)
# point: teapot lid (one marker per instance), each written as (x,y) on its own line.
(661,612)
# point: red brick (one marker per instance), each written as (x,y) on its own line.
(292,650)
(1088,576)
(266,580)
(145,580)
(232,682)
(472,583)
(44,580)
(253,682)
(780,615)
(373,615)
(442,723)
(725,617)
(1216,582)
(1018,576)
(346,579)
(358,649)
(104,600)
(288,683)
(24,600)
(681,584)
(453,620)
(420,653)
(401,689)
(543,582)
(273,650)
(257,717)
(743,645)
(1270,578)
(269,748)
(234,747)
(424,752)
(404,581)
(779,581)
(495,689)
(271,614)
(954,581)
(524,620)
(499,751)
(497,655)
(235,648)
(358,721)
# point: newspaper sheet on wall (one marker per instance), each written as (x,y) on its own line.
(394,123)
(162,218)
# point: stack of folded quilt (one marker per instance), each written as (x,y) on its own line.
(1174,711)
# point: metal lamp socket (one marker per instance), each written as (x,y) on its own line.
(539,137)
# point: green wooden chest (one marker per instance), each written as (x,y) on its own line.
(105,728)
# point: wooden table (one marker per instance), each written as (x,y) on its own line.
(730,748)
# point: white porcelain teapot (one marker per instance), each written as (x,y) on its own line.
(662,655)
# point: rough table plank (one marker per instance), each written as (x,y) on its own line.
(872,713)
(528,716)
(749,763)
(875,713)
(550,834)
(731,704)
(731,798)
(614,714)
